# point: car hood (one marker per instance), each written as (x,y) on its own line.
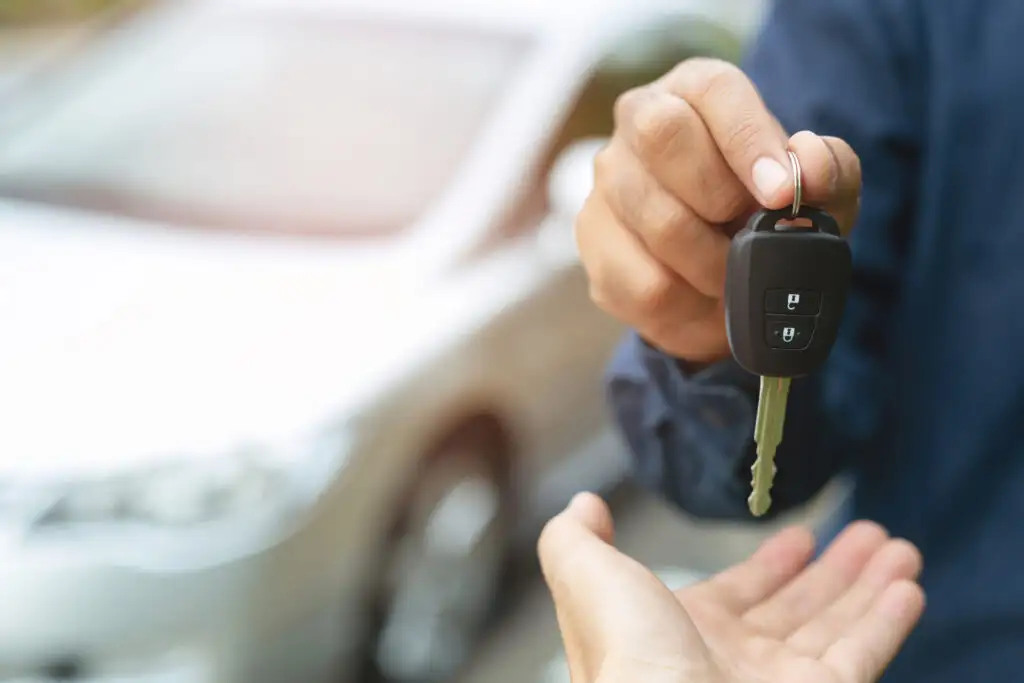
(124,343)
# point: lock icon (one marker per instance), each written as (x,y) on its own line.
(788,334)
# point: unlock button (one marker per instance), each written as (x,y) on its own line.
(785,332)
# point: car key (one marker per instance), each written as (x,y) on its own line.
(785,291)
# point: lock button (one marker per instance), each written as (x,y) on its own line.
(789,332)
(792,302)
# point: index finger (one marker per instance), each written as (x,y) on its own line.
(747,584)
(831,175)
(751,140)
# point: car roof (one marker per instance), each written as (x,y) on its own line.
(530,15)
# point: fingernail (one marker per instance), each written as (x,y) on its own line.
(769,177)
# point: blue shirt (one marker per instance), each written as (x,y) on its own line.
(922,397)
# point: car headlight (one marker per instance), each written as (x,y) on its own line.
(197,494)
(197,491)
(182,492)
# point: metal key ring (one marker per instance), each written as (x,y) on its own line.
(797,186)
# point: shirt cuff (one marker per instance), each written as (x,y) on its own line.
(688,431)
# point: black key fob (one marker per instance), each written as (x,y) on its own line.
(785,291)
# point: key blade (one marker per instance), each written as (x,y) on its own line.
(771,416)
(763,472)
(771,410)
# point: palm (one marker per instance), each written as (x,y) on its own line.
(832,623)
(751,652)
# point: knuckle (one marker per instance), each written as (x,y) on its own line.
(653,294)
(723,76)
(723,200)
(599,295)
(614,173)
(586,235)
(625,104)
(598,289)
(655,128)
(604,166)
(696,77)
(591,228)
(581,226)
(589,218)
(663,227)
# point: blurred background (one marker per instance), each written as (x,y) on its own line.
(297,355)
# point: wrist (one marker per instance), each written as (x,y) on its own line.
(624,668)
(690,364)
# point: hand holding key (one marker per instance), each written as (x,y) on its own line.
(693,156)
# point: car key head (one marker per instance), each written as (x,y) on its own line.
(785,291)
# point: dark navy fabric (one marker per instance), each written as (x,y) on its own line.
(922,399)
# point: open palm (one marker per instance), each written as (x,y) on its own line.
(775,617)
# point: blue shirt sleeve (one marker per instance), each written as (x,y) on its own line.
(851,69)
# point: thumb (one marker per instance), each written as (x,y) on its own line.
(607,602)
(580,534)
(571,546)
(603,591)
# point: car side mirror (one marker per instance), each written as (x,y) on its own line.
(572,177)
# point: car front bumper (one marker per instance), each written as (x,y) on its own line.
(283,612)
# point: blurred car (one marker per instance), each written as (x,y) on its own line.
(35,35)
(296,350)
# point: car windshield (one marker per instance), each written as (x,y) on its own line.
(298,126)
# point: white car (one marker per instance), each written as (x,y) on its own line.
(295,349)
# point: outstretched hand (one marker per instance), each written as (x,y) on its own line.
(776,617)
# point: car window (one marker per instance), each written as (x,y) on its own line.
(639,58)
(297,125)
